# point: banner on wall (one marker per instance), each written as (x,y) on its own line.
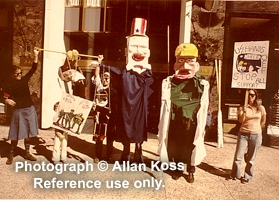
(71,113)
(250,64)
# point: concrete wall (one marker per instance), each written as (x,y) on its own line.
(53,41)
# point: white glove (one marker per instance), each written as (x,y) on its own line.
(94,64)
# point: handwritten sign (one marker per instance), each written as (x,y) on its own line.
(250,64)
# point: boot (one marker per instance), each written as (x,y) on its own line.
(10,160)
(109,150)
(191,178)
(138,158)
(12,150)
(177,174)
(98,151)
(28,156)
(126,153)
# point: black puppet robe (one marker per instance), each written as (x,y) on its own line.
(134,90)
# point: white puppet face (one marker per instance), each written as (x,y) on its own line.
(186,67)
(137,53)
(106,79)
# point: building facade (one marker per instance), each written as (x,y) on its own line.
(100,28)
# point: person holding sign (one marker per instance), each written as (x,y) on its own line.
(60,142)
(252,117)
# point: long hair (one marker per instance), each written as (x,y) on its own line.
(256,102)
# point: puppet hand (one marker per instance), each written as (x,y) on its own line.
(75,54)
(100,58)
(10,102)
(69,55)
(94,64)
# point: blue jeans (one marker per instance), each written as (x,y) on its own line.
(247,144)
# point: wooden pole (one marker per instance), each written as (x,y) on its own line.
(168,48)
(218,64)
(246,98)
(82,55)
(219,85)
(217,77)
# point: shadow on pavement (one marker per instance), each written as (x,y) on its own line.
(214,170)
(41,148)
(4,147)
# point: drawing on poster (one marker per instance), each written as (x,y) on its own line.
(71,113)
(250,64)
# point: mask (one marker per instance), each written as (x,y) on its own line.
(186,67)
(137,53)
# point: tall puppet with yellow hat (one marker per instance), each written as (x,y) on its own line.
(134,91)
(183,114)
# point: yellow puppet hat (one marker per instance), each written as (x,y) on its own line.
(186,50)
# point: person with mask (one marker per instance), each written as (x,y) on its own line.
(183,115)
(105,113)
(134,90)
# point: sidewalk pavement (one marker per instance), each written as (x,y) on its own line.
(210,182)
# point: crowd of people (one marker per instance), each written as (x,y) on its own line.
(121,114)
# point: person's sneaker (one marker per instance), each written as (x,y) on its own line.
(10,160)
(244,180)
(28,156)
(191,178)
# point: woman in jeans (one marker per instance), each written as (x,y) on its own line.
(252,118)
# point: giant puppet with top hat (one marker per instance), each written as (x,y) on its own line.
(183,114)
(134,91)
